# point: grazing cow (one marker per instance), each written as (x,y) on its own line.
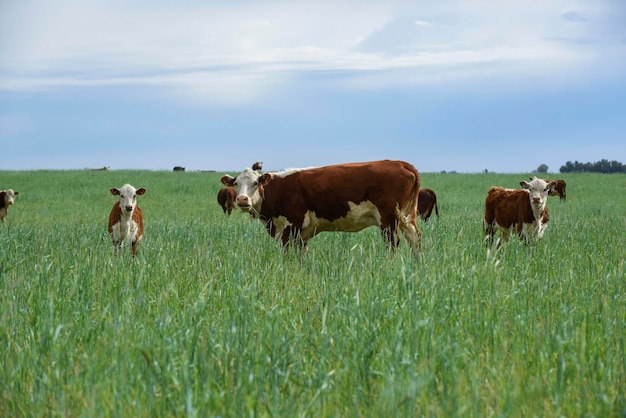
(524,209)
(7,198)
(296,205)
(226,198)
(258,166)
(179,168)
(426,202)
(559,189)
(105,168)
(126,219)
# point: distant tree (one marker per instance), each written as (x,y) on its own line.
(542,168)
(602,166)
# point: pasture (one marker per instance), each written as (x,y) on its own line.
(212,319)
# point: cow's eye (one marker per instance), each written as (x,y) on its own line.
(256,183)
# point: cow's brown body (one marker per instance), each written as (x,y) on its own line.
(226,198)
(426,203)
(298,204)
(522,209)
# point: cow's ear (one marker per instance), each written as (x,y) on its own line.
(228,180)
(551,185)
(141,191)
(114,191)
(16,193)
(524,184)
(265,178)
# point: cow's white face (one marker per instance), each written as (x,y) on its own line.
(128,197)
(9,197)
(538,190)
(249,186)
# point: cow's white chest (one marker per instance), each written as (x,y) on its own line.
(125,231)
(534,230)
(360,216)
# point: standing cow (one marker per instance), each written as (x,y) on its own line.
(226,198)
(524,209)
(296,205)
(126,219)
(7,198)
(426,203)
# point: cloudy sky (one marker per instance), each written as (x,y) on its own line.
(455,85)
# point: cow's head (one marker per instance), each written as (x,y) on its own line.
(128,196)
(249,186)
(538,191)
(9,197)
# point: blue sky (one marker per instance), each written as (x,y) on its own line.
(458,85)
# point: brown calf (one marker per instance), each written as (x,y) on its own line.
(226,198)
(126,219)
(7,198)
(426,202)
(524,209)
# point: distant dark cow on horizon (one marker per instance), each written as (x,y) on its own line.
(7,198)
(559,188)
(524,209)
(105,168)
(226,198)
(295,205)
(179,168)
(258,166)
(426,203)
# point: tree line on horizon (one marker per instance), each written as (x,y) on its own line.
(602,166)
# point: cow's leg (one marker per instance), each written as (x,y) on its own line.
(390,236)
(413,235)
(505,234)
(490,232)
(117,248)
(134,245)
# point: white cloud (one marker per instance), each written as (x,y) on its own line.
(232,54)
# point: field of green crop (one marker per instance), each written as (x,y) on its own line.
(213,319)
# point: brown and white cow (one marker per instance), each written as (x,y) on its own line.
(258,166)
(559,188)
(7,198)
(296,205)
(525,209)
(126,219)
(226,198)
(426,203)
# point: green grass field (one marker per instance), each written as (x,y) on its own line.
(212,319)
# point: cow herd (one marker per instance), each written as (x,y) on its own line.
(295,205)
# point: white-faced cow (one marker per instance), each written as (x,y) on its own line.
(559,188)
(226,198)
(298,204)
(525,209)
(126,219)
(426,203)
(7,198)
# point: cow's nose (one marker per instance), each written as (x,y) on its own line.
(536,200)
(242,200)
(129,208)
